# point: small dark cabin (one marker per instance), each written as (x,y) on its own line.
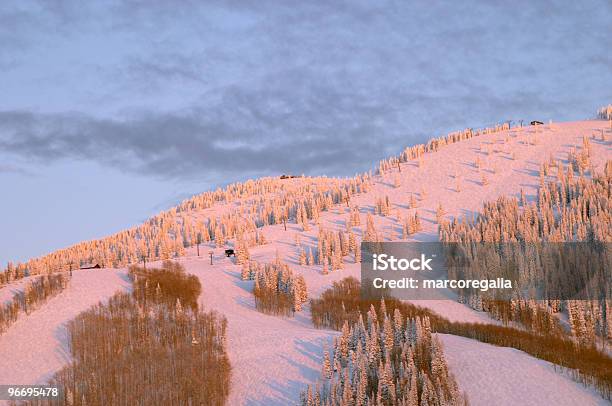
(535,122)
(90,266)
(229,252)
(289,176)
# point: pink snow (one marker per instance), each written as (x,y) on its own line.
(274,358)
(8,291)
(502,376)
(36,346)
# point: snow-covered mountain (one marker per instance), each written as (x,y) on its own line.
(273,358)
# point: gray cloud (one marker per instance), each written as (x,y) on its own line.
(228,89)
(245,133)
(315,129)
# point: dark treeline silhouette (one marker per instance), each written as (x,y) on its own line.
(35,293)
(586,364)
(146,348)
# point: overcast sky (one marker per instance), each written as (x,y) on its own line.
(111,113)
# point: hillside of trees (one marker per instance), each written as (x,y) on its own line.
(162,348)
(265,201)
(570,207)
(385,359)
(586,364)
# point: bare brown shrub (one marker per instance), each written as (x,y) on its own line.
(146,348)
(166,285)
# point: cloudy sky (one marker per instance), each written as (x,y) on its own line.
(112,112)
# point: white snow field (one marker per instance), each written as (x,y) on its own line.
(501,376)
(36,345)
(274,358)
(7,292)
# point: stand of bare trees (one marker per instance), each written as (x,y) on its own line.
(148,348)
(35,293)
(165,285)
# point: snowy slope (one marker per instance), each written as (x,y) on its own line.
(505,376)
(36,345)
(274,358)
(8,291)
